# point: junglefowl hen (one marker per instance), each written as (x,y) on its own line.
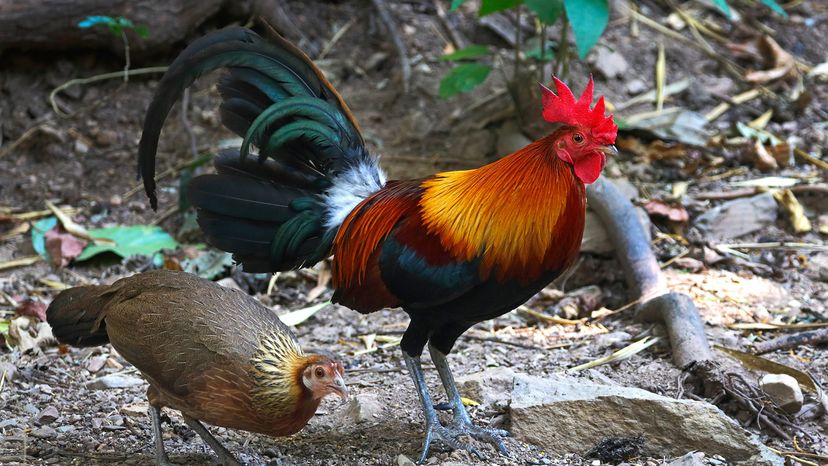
(452,249)
(215,354)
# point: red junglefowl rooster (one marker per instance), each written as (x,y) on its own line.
(452,249)
(213,353)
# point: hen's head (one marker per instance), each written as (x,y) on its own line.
(587,135)
(323,375)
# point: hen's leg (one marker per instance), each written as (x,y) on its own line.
(433,426)
(462,421)
(225,457)
(161,458)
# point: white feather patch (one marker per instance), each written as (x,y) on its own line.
(350,188)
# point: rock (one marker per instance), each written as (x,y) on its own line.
(609,64)
(403,460)
(635,86)
(738,217)
(228,282)
(489,387)
(690,459)
(106,137)
(670,426)
(510,139)
(8,370)
(363,407)
(96,364)
(114,381)
(47,416)
(65,429)
(9,423)
(138,409)
(611,340)
(44,432)
(783,390)
(819,265)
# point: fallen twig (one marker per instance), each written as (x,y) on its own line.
(813,337)
(393,31)
(96,78)
(22,262)
(335,38)
(457,38)
(784,245)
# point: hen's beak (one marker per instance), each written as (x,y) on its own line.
(609,150)
(339,387)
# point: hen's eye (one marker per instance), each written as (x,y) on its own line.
(578,137)
(320,372)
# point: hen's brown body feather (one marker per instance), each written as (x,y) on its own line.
(197,344)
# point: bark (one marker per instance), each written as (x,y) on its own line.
(53,24)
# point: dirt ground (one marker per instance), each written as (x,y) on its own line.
(87,161)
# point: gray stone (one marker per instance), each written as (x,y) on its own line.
(670,427)
(635,86)
(363,407)
(609,64)
(65,429)
(44,432)
(738,217)
(8,370)
(114,381)
(48,415)
(510,139)
(819,264)
(489,387)
(403,460)
(783,390)
(690,459)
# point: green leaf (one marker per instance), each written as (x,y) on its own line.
(472,51)
(493,6)
(142,31)
(548,11)
(589,19)
(533,50)
(455,4)
(210,264)
(722,5)
(463,78)
(775,7)
(129,241)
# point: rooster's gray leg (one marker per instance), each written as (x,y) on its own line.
(462,421)
(161,458)
(433,427)
(225,457)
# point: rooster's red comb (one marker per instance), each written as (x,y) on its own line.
(563,108)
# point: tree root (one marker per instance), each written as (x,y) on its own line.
(677,312)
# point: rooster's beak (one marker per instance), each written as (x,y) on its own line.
(610,150)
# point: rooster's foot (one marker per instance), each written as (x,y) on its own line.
(483,434)
(449,435)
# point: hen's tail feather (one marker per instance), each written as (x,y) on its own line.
(77,316)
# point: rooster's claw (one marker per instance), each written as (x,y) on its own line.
(449,436)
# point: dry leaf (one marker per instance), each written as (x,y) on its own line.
(754,362)
(794,209)
(673,213)
(63,247)
(757,154)
(656,150)
(32,308)
(823,224)
(778,62)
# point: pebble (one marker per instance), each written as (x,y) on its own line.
(106,138)
(403,460)
(114,381)
(783,390)
(30,409)
(96,364)
(48,415)
(65,429)
(44,432)
(9,369)
(8,423)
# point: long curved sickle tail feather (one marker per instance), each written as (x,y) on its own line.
(274,214)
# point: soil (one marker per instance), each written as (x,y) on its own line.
(87,160)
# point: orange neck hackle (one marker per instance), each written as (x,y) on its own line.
(514,212)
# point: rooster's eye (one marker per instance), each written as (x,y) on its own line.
(578,137)
(320,372)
